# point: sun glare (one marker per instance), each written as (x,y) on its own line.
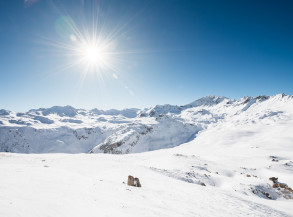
(90,48)
(93,55)
(94,47)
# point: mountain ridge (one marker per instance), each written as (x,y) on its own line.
(70,130)
(202,99)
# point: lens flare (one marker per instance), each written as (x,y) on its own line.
(93,46)
(90,48)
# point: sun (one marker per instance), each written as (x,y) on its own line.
(93,47)
(93,55)
(90,48)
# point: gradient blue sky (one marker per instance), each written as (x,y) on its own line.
(170,52)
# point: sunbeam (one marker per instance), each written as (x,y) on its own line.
(95,48)
(88,46)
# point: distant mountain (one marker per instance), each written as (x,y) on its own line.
(217,157)
(69,130)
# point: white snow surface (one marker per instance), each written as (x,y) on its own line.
(215,159)
(69,130)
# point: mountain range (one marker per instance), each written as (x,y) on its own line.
(212,157)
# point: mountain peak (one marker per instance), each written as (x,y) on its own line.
(59,110)
(208,101)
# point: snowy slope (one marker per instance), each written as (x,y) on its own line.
(56,185)
(70,130)
(217,157)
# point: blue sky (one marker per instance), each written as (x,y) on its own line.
(163,52)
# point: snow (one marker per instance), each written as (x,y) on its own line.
(91,185)
(130,130)
(213,157)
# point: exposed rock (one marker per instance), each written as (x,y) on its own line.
(267,195)
(282,188)
(137,182)
(282,185)
(130,180)
(274,158)
(275,185)
(133,181)
(274,179)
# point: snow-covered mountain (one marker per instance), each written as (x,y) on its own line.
(217,157)
(70,130)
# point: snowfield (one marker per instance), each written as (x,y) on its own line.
(212,157)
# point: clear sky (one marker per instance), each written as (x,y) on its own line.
(149,51)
